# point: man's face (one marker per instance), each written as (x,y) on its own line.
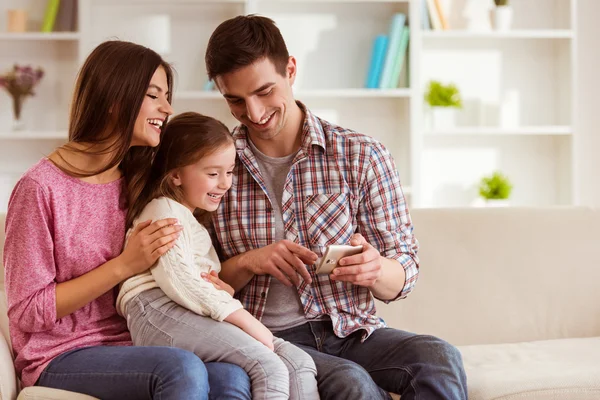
(259,97)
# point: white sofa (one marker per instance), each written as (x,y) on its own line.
(516,289)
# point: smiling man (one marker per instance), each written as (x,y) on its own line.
(300,185)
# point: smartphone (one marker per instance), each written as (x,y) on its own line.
(333,254)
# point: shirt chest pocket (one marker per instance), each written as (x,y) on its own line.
(328,218)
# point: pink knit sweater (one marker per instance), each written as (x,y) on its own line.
(58,228)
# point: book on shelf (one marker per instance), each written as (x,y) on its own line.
(396,29)
(66,18)
(425,19)
(380,45)
(434,16)
(441,14)
(400,58)
(52,7)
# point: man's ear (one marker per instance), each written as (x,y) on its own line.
(176,178)
(291,69)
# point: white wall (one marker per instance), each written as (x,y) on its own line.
(587,149)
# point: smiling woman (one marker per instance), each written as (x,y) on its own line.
(64,255)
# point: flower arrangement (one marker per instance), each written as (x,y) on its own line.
(19,83)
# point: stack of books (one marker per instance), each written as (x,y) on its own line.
(389,54)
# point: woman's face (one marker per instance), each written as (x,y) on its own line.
(155,109)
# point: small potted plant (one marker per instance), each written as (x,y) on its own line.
(495,189)
(444,101)
(503,15)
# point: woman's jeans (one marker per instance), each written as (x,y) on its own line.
(134,372)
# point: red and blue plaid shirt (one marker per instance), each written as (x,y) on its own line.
(340,182)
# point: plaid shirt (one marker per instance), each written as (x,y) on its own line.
(340,182)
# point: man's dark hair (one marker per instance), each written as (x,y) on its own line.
(243,40)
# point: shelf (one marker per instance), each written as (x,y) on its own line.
(494,131)
(357,93)
(51,36)
(316,93)
(33,135)
(516,34)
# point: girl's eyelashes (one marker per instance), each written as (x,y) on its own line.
(153,97)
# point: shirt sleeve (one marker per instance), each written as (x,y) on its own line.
(383,216)
(177,273)
(30,270)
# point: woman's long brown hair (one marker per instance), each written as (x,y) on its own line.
(187,138)
(108,95)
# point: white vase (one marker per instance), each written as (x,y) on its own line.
(443,118)
(510,109)
(497,203)
(503,16)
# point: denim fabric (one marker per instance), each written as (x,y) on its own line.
(390,360)
(288,372)
(131,372)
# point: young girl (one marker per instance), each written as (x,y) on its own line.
(64,256)
(172,305)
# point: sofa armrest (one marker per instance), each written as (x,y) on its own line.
(8,379)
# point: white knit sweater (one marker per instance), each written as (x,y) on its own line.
(177,272)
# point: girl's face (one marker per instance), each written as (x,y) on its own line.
(155,109)
(205,182)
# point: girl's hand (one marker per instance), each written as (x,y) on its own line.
(213,278)
(147,242)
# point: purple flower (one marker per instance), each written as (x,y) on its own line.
(20,81)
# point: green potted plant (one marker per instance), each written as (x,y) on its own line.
(444,101)
(503,15)
(495,189)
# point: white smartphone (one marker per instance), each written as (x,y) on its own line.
(333,255)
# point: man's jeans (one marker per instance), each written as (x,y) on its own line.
(134,372)
(390,360)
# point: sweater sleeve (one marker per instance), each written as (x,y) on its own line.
(30,270)
(178,271)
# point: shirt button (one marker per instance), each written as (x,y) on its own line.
(263,295)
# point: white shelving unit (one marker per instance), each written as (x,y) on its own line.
(438,168)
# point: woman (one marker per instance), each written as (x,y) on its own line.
(63,254)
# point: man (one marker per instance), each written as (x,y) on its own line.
(302,184)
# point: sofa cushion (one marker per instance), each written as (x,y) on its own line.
(549,369)
(42,393)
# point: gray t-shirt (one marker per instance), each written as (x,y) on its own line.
(283,309)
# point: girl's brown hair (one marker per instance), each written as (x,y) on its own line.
(187,138)
(108,96)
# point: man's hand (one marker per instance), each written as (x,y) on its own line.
(363,269)
(283,260)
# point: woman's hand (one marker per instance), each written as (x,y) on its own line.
(213,278)
(147,242)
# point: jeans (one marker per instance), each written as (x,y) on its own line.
(131,372)
(414,366)
(287,373)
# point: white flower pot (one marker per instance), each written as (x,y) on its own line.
(497,203)
(503,16)
(443,118)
